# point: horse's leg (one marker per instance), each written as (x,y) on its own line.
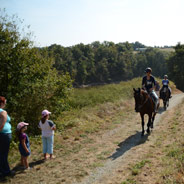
(149,123)
(152,119)
(142,118)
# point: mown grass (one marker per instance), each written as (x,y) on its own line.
(138,166)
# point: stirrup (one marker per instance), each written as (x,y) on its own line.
(155,110)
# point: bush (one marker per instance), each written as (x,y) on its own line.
(27,77)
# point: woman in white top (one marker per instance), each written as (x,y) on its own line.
(47,127)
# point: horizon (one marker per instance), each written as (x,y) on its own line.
(153,23)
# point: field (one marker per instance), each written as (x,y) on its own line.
(93,139)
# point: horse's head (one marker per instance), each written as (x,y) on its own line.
(139,99)
(165,93)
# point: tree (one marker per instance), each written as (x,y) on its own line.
(176,66)
(27,77)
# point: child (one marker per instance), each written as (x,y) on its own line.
(24,146)
(47,127)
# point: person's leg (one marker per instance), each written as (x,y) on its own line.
(155,97)
(26,164)
(50,145)
(44,144)
(22,160)
(4,149)
(169,92)
(161,92)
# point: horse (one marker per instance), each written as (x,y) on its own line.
(144,105)
(165,97)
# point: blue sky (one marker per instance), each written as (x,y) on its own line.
(70,22)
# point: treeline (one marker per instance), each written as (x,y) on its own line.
(107,62)
(176,66)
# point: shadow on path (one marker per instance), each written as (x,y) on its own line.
(19,169)
(161,110)
(129,143)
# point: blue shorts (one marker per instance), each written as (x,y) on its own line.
(23,152)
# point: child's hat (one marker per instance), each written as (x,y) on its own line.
(45,113)
(21,125)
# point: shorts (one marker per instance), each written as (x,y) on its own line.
(23,152)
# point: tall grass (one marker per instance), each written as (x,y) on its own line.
(91,96)
(87,104)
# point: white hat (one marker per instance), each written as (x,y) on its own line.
(45,113)
(21,125)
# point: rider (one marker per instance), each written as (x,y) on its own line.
(148,84)
(165,83)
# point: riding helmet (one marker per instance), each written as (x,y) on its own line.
(165,76)
(148,70)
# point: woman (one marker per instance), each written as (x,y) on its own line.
(148,84)
(165,84)
(5,138)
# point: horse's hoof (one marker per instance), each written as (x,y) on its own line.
(148,131)
(151,126)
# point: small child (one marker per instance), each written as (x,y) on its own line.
(24,146)
(47,127)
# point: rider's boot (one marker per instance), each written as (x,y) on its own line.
(160,95)
(155,108)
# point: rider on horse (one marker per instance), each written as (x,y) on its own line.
(165,84)
(148,84)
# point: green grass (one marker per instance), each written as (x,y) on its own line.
(90,105)
(91,96)
(136,168)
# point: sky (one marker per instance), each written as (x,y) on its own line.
(70,22)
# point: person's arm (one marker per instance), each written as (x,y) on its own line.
(3,119)
(39,126)
(23,142)
(143,83)
(154,84)
(52,125)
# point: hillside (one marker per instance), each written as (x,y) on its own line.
(102,148)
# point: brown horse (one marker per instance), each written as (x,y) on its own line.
(144,105)
(164,93)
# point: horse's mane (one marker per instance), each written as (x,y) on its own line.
(145,94)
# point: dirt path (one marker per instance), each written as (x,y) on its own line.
(125,154)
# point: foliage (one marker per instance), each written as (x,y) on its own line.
(176,66)
(27,77)
(107,62)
